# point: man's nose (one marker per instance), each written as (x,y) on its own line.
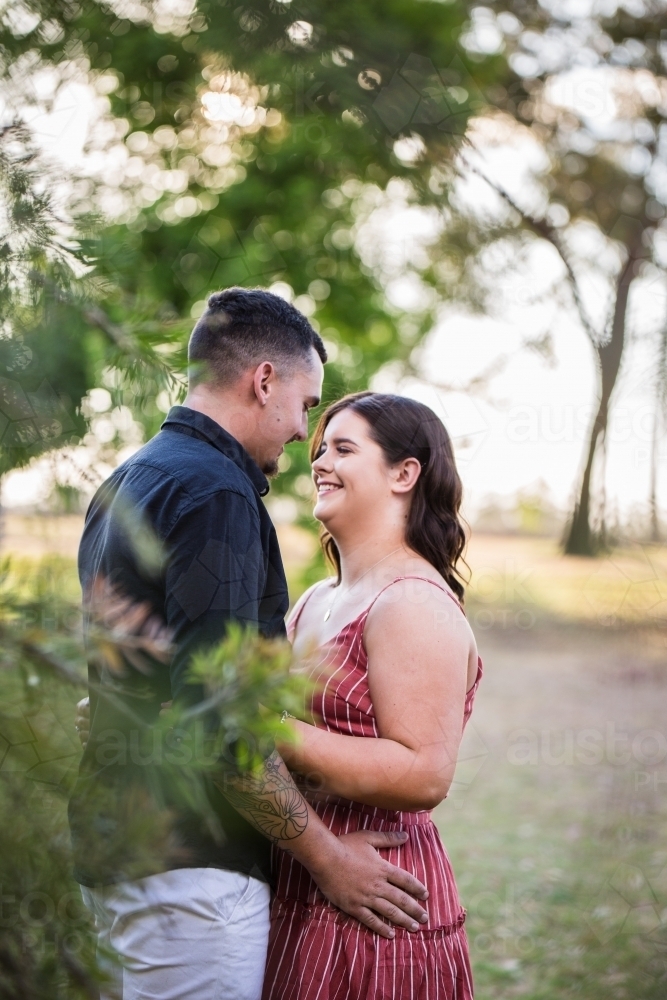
(302,434)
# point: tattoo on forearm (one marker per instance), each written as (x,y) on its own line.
(269,800)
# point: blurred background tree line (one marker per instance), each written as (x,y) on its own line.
(250,145)
(245,142)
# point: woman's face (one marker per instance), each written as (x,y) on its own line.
(351,474)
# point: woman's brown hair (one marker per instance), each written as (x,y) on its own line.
(404,428)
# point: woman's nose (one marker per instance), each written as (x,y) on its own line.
(321,464)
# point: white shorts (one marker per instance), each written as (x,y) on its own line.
(187,934)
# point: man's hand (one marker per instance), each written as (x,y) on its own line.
(363,884)
(348,869)
(82,720)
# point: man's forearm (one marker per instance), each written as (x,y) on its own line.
(269,800)
(348,870)
(274,805)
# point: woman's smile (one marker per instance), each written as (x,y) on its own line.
(324,486)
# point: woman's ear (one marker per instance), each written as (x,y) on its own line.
(405,474)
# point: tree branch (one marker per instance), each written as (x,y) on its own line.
(42,658)
(97,317)
(548,232)
(94,315)
(477,384)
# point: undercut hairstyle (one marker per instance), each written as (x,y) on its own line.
(242,327)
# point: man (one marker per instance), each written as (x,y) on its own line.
(198,927)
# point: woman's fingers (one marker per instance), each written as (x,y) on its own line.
(82,720)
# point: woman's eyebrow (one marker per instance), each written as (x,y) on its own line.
(344,441)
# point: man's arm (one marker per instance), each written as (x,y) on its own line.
(269,800)
(348,870)
(216,575)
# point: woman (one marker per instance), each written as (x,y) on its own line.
(397,669)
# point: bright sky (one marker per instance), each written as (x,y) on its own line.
(527,430)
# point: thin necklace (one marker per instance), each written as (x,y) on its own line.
(327,613)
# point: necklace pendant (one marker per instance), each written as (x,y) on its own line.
(327,614)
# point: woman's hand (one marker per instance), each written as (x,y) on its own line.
(82,718)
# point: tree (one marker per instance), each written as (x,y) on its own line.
(54,338)
(599,129)
(244,141)
(659,415)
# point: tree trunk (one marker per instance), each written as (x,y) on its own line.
(655,519)
(658,423)
(581,540)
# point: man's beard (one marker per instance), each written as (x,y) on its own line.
(270,469)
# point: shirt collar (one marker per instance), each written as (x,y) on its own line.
(196,424)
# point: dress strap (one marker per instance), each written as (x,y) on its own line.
(426,579)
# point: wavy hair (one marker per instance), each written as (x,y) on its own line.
(404,428)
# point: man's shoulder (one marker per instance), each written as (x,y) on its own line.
(187,465)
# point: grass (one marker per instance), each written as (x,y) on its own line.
(627,586)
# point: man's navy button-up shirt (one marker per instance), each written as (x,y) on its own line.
(180,525)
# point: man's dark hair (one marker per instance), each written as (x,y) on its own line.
(243,326)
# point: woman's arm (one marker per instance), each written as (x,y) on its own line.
(418,665)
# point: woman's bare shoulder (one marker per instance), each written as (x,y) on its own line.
(421,602)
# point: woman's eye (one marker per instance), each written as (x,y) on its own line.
(343,451)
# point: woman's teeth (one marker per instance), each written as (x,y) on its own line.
(327,488)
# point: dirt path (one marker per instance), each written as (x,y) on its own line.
(557,828)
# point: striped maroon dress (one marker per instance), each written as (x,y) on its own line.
(316,952)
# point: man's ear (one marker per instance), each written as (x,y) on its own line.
(262,382)
(405,474)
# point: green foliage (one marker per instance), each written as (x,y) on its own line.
(241,673)
(259,133)
(47,950)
